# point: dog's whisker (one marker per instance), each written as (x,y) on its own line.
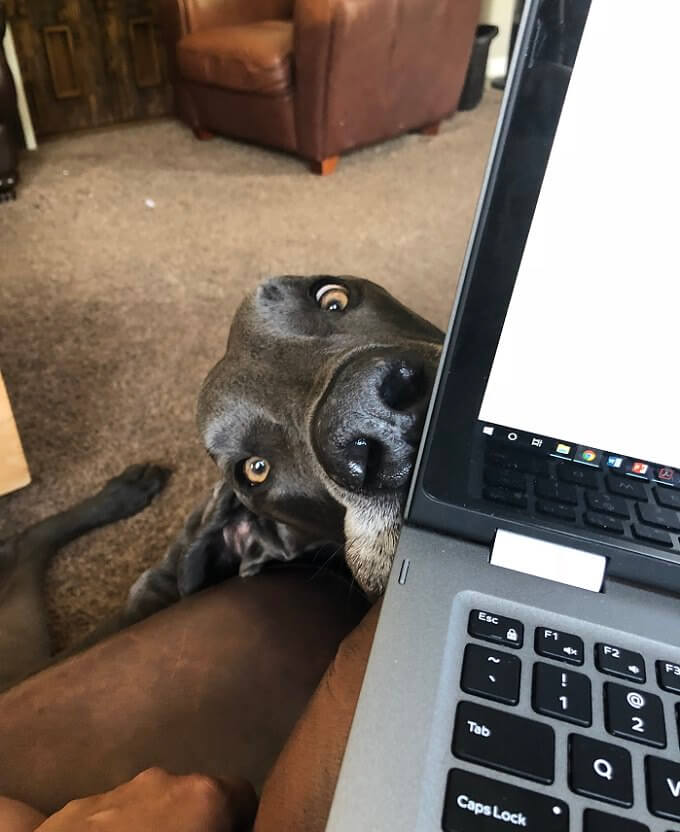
(326,562)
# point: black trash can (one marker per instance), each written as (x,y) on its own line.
(473,88)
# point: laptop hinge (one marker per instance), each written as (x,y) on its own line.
(548,560)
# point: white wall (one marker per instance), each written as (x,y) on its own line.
(22,104)
(498,12)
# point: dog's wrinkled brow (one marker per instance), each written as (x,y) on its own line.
(234,428)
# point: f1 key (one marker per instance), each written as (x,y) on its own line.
(554,644)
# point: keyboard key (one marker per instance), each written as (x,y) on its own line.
(607,505)
(635,715)
(562,694)
(594,821)
(505,478)
(600,770)
(668,676)
(668,497)
(513,460)
(604,522)
(505,742)
(652,535)
(496,628)
(663,788)
(615,661)
(626,487)
(554,644)
(505,495)
(662,517)
(550,489)
(578,475)
(491,674)
(478,804)
(561,511)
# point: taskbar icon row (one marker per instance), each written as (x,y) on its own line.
(584,455)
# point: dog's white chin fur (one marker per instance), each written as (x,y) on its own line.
(371,533)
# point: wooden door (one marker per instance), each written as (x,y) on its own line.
(89,63)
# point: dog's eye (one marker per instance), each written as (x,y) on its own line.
(256,470)
(332,297)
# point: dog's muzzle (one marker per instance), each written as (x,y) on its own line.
(368,423)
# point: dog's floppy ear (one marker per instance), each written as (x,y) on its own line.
(225,539)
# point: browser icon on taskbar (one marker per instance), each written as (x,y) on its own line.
(587,455)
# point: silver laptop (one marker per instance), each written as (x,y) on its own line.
(525,673)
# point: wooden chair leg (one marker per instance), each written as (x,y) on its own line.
(430,129)
(326,166)
(203,135)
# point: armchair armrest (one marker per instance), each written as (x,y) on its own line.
(369,69)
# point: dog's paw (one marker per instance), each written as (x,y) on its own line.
(135,488)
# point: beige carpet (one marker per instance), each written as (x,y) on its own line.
(113,308)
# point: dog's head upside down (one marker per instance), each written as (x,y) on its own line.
(313,417)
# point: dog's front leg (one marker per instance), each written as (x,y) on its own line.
(24,640)
(184,568)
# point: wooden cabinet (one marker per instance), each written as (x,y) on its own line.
(13,469)
(89,63)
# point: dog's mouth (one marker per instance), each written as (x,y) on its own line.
(372,528)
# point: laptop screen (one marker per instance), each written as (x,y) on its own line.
(557,398)
(587,352)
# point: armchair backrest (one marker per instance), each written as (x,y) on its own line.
(206,14)
(369,69)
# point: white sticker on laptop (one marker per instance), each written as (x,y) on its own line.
(548,560)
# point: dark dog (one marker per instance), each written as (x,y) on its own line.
(313,418)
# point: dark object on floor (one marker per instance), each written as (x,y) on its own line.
(499,83)
(473,88)
(8,119)
(314,78)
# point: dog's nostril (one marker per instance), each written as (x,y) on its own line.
(403,386)
(364,457)
(357,456)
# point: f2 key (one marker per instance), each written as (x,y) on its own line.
(615,661)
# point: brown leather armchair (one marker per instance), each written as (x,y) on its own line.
(317,77)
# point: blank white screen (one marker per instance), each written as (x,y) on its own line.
(590,344)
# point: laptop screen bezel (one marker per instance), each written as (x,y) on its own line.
(527,124)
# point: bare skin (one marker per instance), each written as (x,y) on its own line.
(151,801)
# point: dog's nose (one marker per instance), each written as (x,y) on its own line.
(368,423)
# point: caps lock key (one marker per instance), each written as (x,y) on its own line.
(478,804)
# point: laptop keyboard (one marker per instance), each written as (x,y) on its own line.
(570,680)
(584,496)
